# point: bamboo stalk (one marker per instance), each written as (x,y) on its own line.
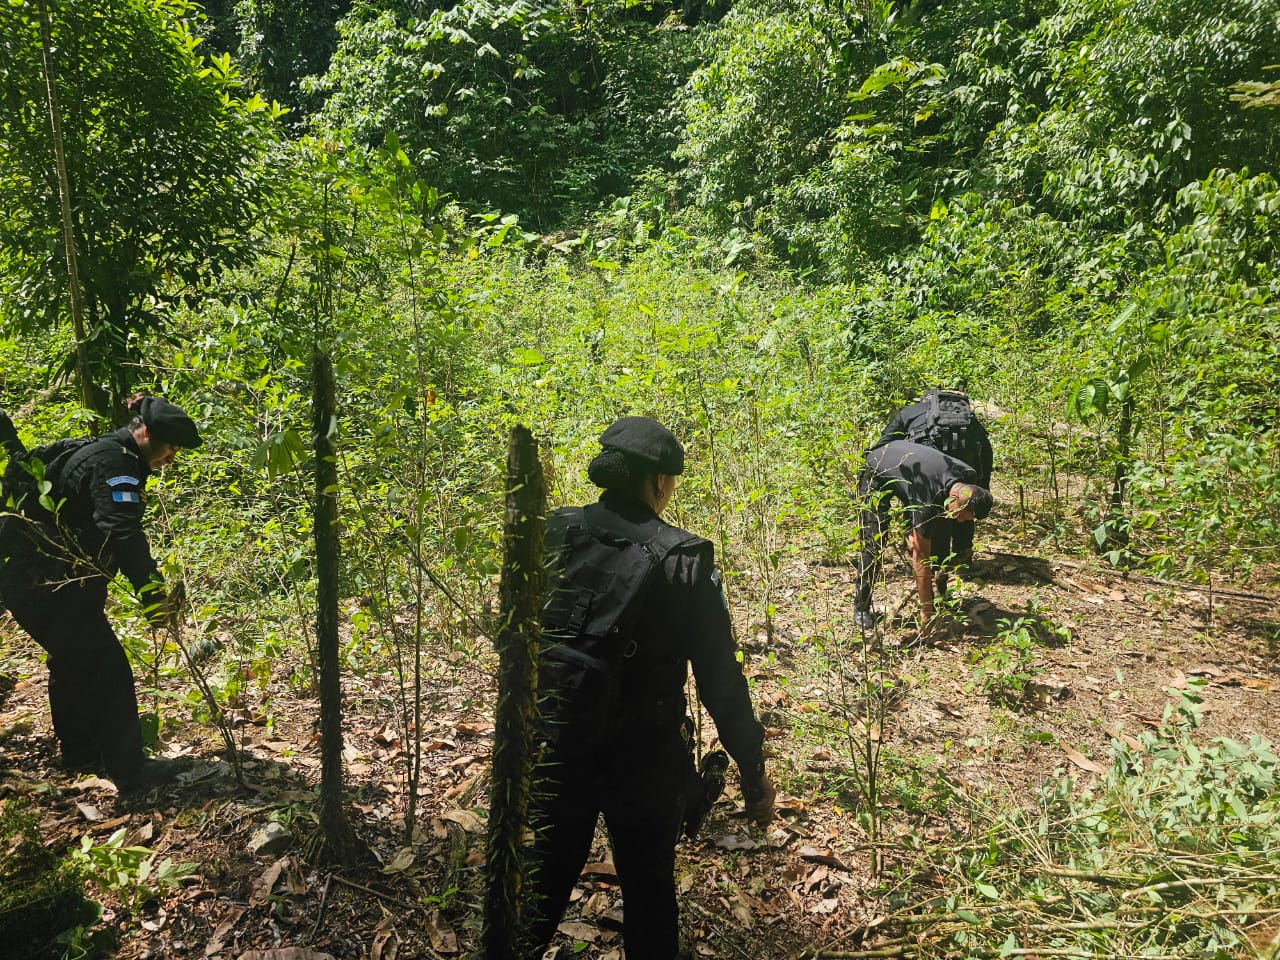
(64,204)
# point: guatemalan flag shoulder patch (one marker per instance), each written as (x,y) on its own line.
(126,496)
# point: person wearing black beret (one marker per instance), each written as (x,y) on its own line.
(630,763)
(54,573)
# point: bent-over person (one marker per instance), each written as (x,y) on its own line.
(939,495)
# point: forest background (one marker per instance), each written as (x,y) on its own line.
(767,224)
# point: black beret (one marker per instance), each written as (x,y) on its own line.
(169,424)
(647,441)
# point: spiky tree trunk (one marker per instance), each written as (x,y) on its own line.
(336,838)
(520,594)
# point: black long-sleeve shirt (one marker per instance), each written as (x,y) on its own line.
(101,488)
(919,477)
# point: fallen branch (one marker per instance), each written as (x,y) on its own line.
(1159,581)
(1196,882)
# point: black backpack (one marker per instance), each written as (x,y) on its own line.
(598,583)
(949,426)
(20,487)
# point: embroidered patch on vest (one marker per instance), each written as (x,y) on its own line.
(126,496)
(122,481)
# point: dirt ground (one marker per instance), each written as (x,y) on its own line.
(804,884)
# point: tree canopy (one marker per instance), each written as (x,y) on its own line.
(165,161)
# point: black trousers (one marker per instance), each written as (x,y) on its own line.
(640,792)
(91,693)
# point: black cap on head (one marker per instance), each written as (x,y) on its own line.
(169,424)
(647,442)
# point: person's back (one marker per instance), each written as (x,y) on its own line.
(944,420)
(917,475)
(636,769)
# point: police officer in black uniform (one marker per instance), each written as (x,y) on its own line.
(912,423)
(54,572)
(638,777)
(940,494)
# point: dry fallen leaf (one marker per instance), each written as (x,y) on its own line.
(89,811)
(386,943)
(596,905)
(576,930)
(821,855)
(733,842)
(401,862)
(1081,761)
(285,953)
(260,889)
(443,939)
(815,878)
(467,820)
(223,930)
(600,871)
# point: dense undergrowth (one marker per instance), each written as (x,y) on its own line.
(1057,205)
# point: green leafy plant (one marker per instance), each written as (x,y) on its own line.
(1169,851)
(132,871)
(41,897)
(1002,669)
(165,193)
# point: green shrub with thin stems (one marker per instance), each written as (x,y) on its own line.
(1169,851)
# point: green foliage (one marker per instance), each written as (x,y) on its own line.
(539,109)
(1255,93)
(803,125)
(1003,668)
(133,872)
(41,897)
(1139,107)
(163,156)
(834,128)
(283,41)
(1169,851)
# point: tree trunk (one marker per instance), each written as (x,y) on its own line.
(88,396)
(520,595)
(336,837)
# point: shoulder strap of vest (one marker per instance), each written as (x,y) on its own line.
(668,539)
(665,540)
(78,456)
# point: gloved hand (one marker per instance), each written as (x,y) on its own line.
(758,794)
